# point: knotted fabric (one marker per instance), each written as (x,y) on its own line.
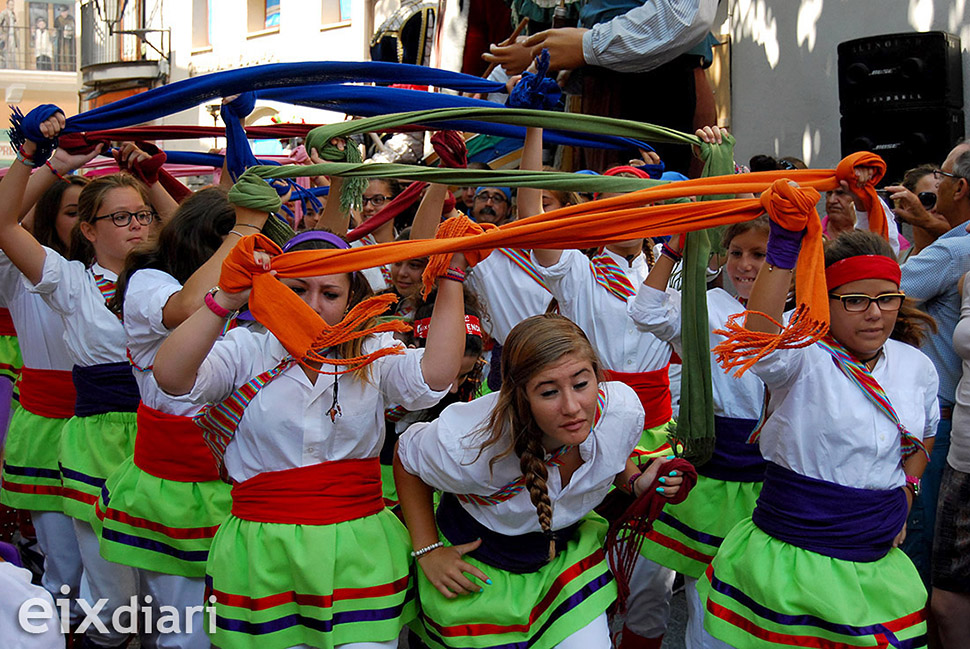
(632,527)
(144,169)
(451,149)
(536,90)
(27,127)
(793,208)
(846,171)
(456,226)
(302,332)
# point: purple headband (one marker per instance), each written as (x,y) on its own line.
(316,235)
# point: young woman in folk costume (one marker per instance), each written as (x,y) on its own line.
(161,508)
(686,536)
(515,557)
(114,216)
(309,555)
(31,476)
(594,294)
(848,428)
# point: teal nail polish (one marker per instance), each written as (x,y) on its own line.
(481,590)
(672,474)
(488,581)
(669,457)
(660,490)
(662,480)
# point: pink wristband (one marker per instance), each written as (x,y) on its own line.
(215,307)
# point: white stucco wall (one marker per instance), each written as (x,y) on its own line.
(784,65)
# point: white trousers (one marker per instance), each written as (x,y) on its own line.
(595,635)
(62,558)
(186,597)
(648,607)
(103,580)
(696,636)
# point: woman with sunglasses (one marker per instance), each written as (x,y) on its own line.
(915,203)
(848,428)
(114,216)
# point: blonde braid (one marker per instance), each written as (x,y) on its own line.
(534,469)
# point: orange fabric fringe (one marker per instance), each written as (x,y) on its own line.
(456,226)
(743,348)
(304,334)
(587,225)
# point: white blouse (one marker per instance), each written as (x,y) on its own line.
(620,346)
(507,293)
(822,426)
(40,331)
(658,313)
(94,335)
(149,290)
(445,454)
(286,425)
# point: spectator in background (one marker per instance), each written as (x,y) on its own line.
(465,197)
(65,27)
(839,213)
(930,278)
(43,48)
(915,204)
(492,205)
(8,37)
(950,601)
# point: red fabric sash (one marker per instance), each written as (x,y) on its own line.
(48,393)
(6,323)
(321,494)
(170,447)
(653,389)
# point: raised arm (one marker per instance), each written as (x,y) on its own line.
(446,337)
(529,199)
(428,216)
(334,218)
(61,164)
(188,300)
(18,244)
(659,275)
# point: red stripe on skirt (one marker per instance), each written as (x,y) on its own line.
(319,601)
(564,578)
(678,547)
(812,642)
(40,490)
(144,523)
(74,494)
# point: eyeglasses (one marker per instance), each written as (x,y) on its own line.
(376,200)
(937,173)
(122,219)
(495,198)
(857,303)
(927,199)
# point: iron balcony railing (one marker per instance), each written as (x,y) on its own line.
(27,48)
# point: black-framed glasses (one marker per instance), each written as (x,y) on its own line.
(938,173)
(122,218)
(495,198)
(376,200)
(857,302)
(927,199)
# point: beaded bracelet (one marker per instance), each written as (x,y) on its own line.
(417,554)
(631,482)
(54,171)
(667,251)
(454,274)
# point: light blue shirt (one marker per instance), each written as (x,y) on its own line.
(930,278)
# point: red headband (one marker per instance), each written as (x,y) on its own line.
(627,169)
(473,327)
(862,267)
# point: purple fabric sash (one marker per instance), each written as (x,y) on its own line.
(734,459)
(840,522)
(109,387)
(519,554)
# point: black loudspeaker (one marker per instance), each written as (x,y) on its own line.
(905,137)
(900,71)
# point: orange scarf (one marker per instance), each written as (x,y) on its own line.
(305,335)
